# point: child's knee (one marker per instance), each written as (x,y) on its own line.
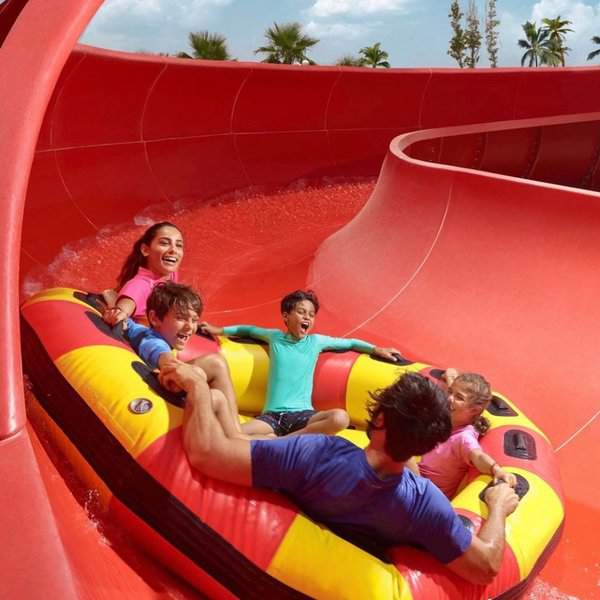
(339,419)
(199,372)
(214,364)
(218,400)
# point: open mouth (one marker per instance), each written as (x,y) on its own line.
(304,326)
(182,337)
(171,261)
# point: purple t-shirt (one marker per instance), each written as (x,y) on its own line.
(139,287)
(448,463)
(332,482)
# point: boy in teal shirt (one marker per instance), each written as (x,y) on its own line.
(294,353)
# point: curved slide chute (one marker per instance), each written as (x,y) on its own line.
(471,250)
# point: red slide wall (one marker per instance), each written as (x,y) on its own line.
(471,268)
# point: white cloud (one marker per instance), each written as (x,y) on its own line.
(183,11)
(159,25)
(327,8)
(346,31)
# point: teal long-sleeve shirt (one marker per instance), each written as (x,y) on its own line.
(292,363)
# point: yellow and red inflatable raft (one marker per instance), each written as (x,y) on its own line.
(121,432)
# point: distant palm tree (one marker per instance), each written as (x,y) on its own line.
(558,30)
(287,44)
(374,56)
(592,55)
(350,61)
(539,50)
(208,46)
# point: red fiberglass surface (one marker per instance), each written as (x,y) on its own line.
(453,264)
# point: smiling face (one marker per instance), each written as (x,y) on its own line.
(464,407)
(165,252)
(177,326)
(300,319)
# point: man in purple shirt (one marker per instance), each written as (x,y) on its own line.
(363,495)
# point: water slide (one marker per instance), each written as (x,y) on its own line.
(478,247)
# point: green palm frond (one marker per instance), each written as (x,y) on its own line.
(208,46)
(287,44)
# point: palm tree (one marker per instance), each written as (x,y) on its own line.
(287,44)
(350,61)
(374,56)
(539,49)
(558,30)
(208,46)
(592,55)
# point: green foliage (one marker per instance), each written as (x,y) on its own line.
(207,46)
(558,30)
(374,56)
(457,47)
(491,32)
(472,36)
(539,49)
(287,45)
(593,54)
(350,61)
(543,45)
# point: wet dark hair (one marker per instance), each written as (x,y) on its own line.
(416,416)
(167,294)
(289,301)
(136,259)
(480,393)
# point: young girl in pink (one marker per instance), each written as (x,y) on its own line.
(155,257)
(448,463)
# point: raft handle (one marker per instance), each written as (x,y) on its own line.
(521,488)
(520,444)
(500,408)
(437,373)
(398,359)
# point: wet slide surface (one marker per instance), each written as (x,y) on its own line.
(469,252)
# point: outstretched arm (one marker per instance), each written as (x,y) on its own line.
(485,464)
(481,562)
(208,448)
(387,353)
(206,327)
(332,343)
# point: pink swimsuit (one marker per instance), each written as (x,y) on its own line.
(448,462)
(139,288)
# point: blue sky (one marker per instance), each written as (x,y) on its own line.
(415,33)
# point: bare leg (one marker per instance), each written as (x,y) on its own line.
(258,429)
(217,374)
(222,411)
(325,421)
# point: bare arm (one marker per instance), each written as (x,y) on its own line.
(208,448)
(485,464)
(482,560)
(387,353)
(449,375)
(211,329)
(121,311)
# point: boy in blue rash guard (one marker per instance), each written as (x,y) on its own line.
(293,354)
(173,312)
